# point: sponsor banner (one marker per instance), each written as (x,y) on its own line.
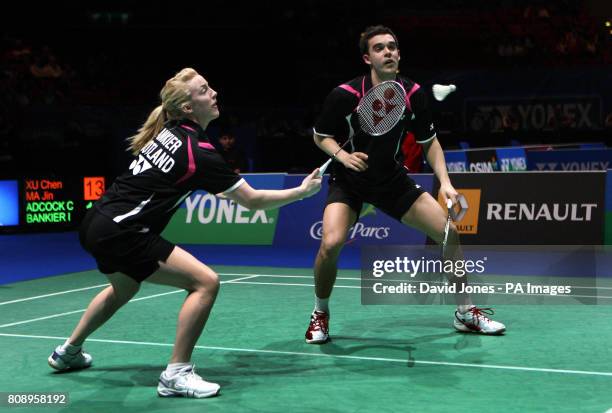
(486,160)
(570,160)
(533,114)
(456,161)
(554,208)
(205,219)
(482,160)
(301,222)
(511,159)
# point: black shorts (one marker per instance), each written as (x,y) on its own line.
(394,197)
(122,249)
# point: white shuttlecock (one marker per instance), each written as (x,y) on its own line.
(440,92)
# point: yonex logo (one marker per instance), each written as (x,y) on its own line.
(140,165)
(208,209)
(385,105)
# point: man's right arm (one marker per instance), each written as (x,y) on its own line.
(332,122)
(355,160)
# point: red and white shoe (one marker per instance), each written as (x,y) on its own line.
(318,329)
(475,320)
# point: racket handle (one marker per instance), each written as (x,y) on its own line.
(324,167)
(449,203)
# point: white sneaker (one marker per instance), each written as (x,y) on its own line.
(62,360)
(186,383)
(475,320)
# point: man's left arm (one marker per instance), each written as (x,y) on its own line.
(435,157)
(425,134)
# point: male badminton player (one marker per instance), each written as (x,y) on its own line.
(368,170)
(173,157)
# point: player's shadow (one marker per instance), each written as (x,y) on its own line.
(125,375)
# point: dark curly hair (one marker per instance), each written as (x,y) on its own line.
(372,31)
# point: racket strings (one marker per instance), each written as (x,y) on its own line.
(381,108)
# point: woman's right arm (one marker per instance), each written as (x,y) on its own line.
(251,198)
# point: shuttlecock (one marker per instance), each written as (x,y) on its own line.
(440,92)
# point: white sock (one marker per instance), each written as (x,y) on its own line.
(174,368)
(321,304)
(69,348)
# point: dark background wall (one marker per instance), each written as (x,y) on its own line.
(273,63)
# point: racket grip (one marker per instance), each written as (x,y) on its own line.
(324,167)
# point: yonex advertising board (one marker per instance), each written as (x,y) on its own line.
(301,222)
(511,159)
(570,160)
(205,219)
(456,161)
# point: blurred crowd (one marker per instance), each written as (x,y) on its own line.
(47,74)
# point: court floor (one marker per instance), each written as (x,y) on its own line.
(382,358)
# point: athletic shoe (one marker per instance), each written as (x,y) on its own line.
(475,320)
(186,383)
(318,329)
(61,360)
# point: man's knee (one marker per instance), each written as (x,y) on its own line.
(331,246)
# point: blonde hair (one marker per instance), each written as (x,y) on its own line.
(174,95)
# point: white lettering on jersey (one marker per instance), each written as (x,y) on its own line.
(149,147)
(169,140)
(158,156)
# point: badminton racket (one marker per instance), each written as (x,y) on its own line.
(378,111)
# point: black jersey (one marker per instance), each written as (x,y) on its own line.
(339,120)
(180,159)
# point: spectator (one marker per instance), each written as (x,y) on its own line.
(234,156)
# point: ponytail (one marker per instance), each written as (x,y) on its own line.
(152,126)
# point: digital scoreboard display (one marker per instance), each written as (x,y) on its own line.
(48,203)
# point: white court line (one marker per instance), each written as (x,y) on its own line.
(266,276)
(85,289)
(374,279)
(107,284)
(133,300)
(240,281)
(337,356)
(367,288)
(53,294)
(296,284)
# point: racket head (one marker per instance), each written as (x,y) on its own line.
(381,108)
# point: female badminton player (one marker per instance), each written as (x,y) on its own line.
(172,157)
(368,170)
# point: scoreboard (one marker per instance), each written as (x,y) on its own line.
(47,203)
